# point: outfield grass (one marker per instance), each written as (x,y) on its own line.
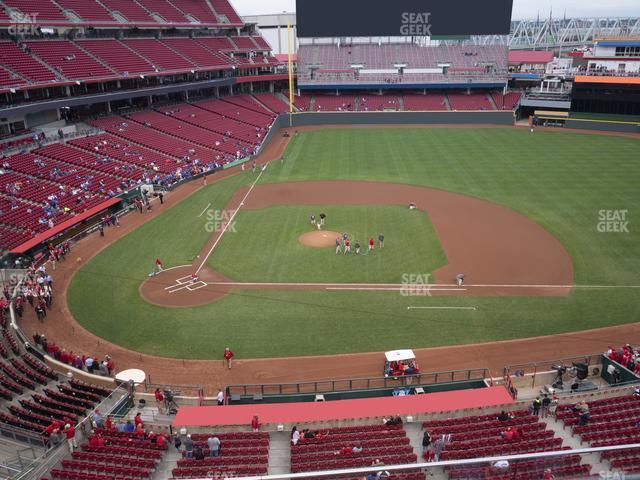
(264,247)
(561,180)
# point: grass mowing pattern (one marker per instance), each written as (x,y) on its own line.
(561,180)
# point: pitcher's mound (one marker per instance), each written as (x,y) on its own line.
(319,239)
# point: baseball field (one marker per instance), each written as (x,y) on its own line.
(543,226)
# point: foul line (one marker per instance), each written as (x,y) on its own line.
(443,308)
(414,285)
(395,289)
(205,209)
(229,222)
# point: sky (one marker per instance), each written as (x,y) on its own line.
(521,8)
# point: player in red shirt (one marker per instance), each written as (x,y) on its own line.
(371,244)
(228,356)
(159,264)
(347,246)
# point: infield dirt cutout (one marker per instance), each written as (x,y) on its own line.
(319,238)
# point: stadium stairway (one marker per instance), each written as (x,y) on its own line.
(574,442)
(446,102)
(492,101)
(285,99)
(168,462)
(279,453)
(414,432)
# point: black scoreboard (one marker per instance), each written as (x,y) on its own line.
(402,18)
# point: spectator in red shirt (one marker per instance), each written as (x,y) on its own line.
(70,433)
(159,399)
(255,424)
(138,419)
(228,356)
(107,423)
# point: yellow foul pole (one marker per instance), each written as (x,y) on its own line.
(290,74)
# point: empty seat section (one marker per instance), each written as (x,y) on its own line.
(117,56)
(244,43)
(69,60)
(274,102)
(24,64)
(41,9)
(129,9)
(8,79)
(197,53)
(262,43)
(342,103)
(164,9)
(223,7)
(161,56)
(475,101)
(370,103)
(424,102)
(88,10)
(197,9)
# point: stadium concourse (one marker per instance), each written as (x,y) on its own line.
(64,330)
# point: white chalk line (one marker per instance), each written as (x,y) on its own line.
(229,222)
(442,308)
(205,209)
(396,289)
(415,285)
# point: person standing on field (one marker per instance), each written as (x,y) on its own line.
(371,243)
(312,219)
(381,240)
(347,246)
(338,246)
(228,356)
(322,217)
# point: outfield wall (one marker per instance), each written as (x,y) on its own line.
(603,125)
(301,119)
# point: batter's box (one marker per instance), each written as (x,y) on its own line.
(196,286)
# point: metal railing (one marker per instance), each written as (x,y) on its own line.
(353,384)
(521,369)
(177,390)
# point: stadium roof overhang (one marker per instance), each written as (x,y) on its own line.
(42,106)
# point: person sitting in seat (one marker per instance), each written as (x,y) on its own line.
(508,434)
(504,416)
